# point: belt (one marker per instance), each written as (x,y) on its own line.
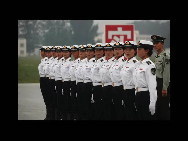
(128,87)
(117,84)
(107,84)
(97,84)
(42,75)
(79,80)
(66,79)
(58,78)
(141,89)
(51,77)
(86,81)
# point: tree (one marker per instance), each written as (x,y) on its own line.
(27,29)
(58,33)
(83,31)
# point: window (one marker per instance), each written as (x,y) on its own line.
(21,44)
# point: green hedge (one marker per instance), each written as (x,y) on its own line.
(28,69)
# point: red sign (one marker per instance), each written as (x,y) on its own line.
(119,33)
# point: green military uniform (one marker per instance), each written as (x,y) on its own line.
(162,62)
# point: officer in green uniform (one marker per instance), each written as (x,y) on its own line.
(162,62)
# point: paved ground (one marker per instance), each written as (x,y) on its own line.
(30,102)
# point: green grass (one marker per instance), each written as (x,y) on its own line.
(28,69)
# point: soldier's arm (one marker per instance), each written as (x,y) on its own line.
(166,72)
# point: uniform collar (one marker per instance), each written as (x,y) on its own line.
(91,60)
(109,59)
(145,60)
(68,59)
(160,54)
(131,60)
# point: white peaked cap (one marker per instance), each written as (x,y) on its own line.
(146,42)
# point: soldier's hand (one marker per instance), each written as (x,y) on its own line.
(164,92)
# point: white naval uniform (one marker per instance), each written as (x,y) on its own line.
(78,71)
(73,68)
(144,80)
(47,66)
(104,72)
(95,76)
(115,71)
(52,68)
(57,69)
(65,69)
(41,67)
(87,70)
(126,73)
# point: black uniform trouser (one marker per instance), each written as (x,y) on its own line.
(59,98)
(142,101)
(97,105)
(86,105)
(43,89)
(67,97)
(107,102)
(162,103)
(52,98)
(129,104)
(74,106)
(117,100)
(80,91)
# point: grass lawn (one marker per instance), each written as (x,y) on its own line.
(28,69)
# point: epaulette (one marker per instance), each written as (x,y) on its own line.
(102,60)
(134,61)
(123,60)
(93,60)
(45,59)
(148,62)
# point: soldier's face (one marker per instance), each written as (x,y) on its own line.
(90,54)
(99,53)
(54,54)
(75,54)
(42,53)
(59,54)
(109,53)
(118,52)
(82,54)
(49,54)
(142,53)
(158,46)
(129,52)
(66,54)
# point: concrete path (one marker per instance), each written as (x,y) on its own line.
(30,102)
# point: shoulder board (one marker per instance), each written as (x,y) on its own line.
(93,60)
(102,60)
(148,62)
(134,61)
(123,60)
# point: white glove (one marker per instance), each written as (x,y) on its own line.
(152,108)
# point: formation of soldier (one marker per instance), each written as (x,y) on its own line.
(106,81)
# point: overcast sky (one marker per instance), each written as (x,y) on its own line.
(101,23)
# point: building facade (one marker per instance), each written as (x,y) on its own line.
(22,52)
